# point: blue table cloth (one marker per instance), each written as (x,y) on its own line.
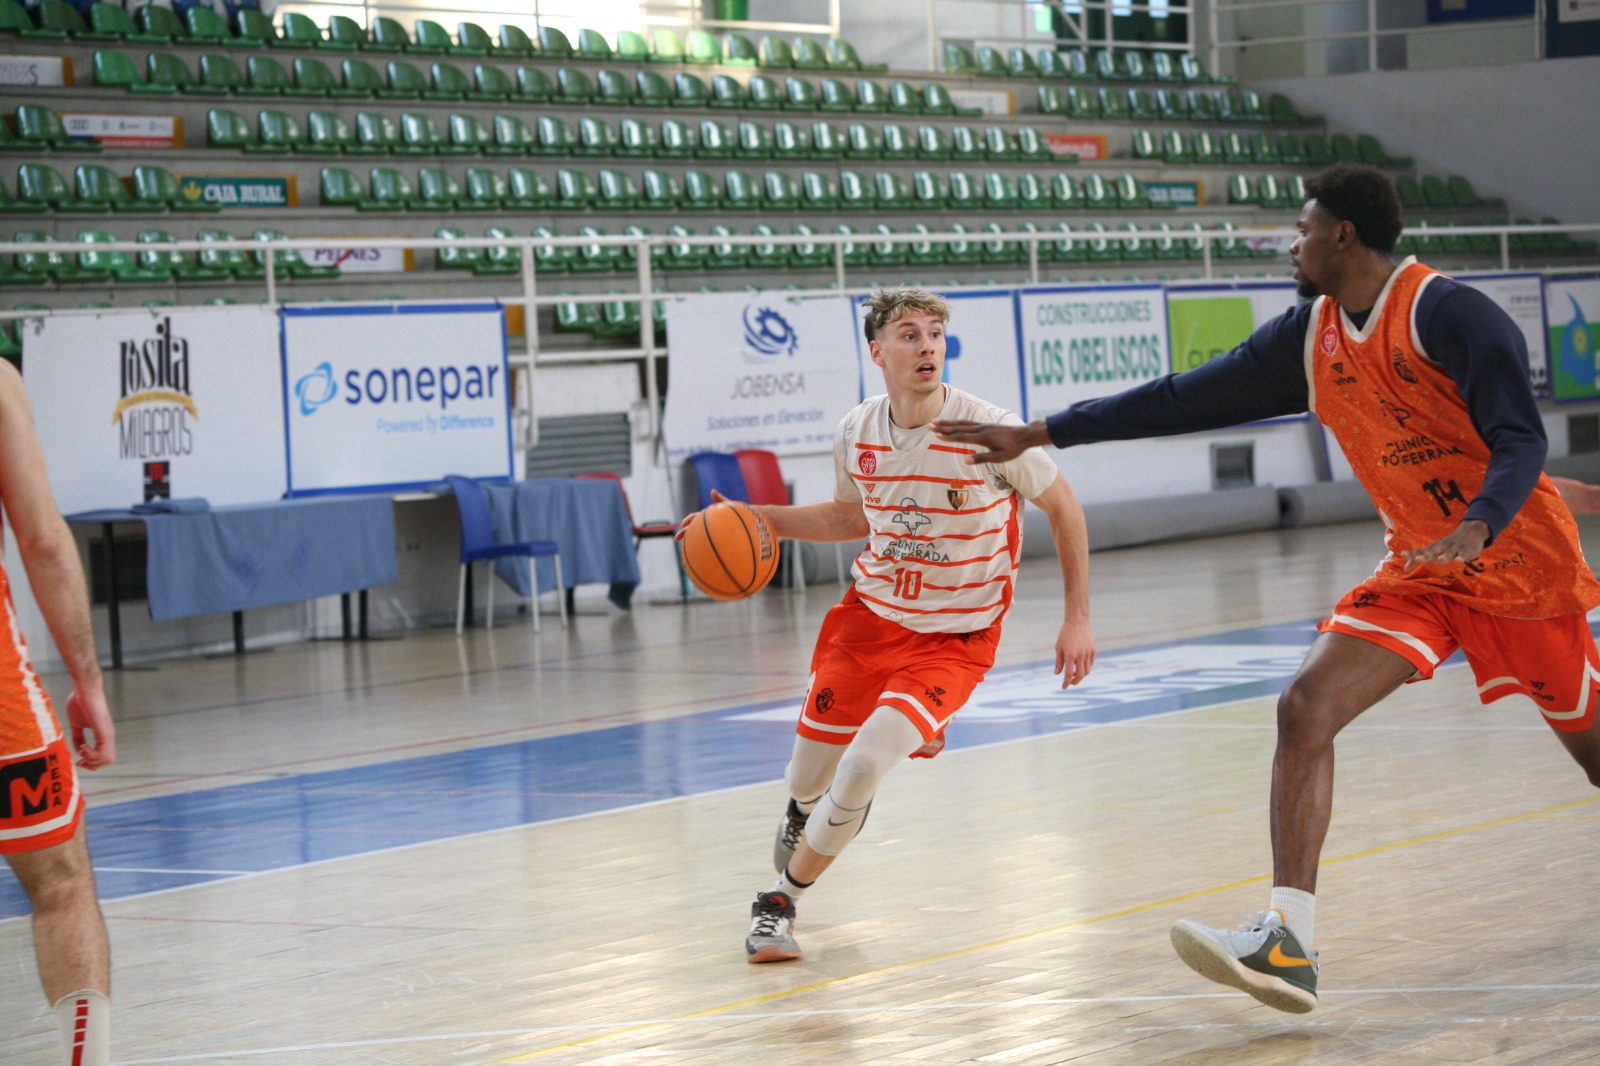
(260,555)
(588,519)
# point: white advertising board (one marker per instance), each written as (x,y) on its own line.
(1522,297)
(191,398)
(758,370)
(381,398)
(1080,342)
(980,349)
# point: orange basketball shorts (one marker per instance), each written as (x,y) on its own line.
(40,803)
(1549,662)
(864,662)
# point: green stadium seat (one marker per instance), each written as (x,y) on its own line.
(927,192)
(555,45)
(575,190)
(632,47)
(236,261)
(613,88)
(596,137)
(156,185)
(636,138)
(1051,102)
(161,22)
(964,145)
(39,127)
(469,132)
(701,49)
(513,137)
(484,189)
(57,267)
(206,26)
(361,78)
(533,86)
(862,141)
(405,81)
(1064,247)
(228,129)
(313,78)
(41,185)
(999,192)
(170,262)
(431,38)
(377,134)
(268,77)
(890,192)
(1162,68)
(167,69)
(870,96)
(112,22)
(991,64)
(1052,64)
(1235,149)
(1264,149)
(1409,192)
(1251,107)
(299,31)
(765,94)
(898,145)
(1064,194)
(1032,193)
(1462,194)
(678,141)
(775,52)
(1174,147)
(960,194)
(800,94)
(102,190)
(1343,148)
(727,93)
(904,99)
(219,76)
(1145,145)
(793,144)
(666,46)
(421,134)
(689,91)
(437,190)
(936,101)
(1129,193)
(999,248)
(592,45)
(1082,103)
(574,87)
(818,192)
(327,134)
(1289,149)
(659,191)
(527,188)
(809,55)
(553,136)
(1019,64)
(515,42)
(447,82)
(615,190)
(1202,105)
(1135,249)
(250,24)
(751,140)
(740,191)
(716,140)
(778,192)
(806,253)
(390,191)
(387,35)
(1240,190)
(1142,105)
(1436,192)
(701,191)
(1228,107)
(958,59)
(456,257)
(1172,105)
(842,56)
(1318,152)
(998,147)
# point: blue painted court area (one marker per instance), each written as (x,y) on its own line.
(215,834)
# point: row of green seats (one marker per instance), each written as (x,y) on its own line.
(40,187)
(526,189)
(1267,191)
(1434,191)
(1144,105)
(1123,64)
(1201,146)
(415,133)
(252,29)
(263,75)
(1417,240)
(97,266)
(989,243)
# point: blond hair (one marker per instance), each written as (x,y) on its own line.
(889,305)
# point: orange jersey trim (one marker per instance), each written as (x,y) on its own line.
(953,562)
(939,510)
(935,610)
(918,477)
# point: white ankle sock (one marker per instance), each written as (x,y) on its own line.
(1299,910)
(85,1020)
(788,886)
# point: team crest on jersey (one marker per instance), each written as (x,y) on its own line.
(868,463)
(1402,367)
(1329,340)
(957,496)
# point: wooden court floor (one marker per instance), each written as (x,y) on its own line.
(1007,904)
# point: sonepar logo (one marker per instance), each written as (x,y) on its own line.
(396,385)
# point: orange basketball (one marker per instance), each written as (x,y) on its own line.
(730,552)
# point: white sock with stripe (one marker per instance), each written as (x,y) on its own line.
(1299,910)
(85,1020)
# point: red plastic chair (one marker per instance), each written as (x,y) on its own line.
(764,484)
(642,531)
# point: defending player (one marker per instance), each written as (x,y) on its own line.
(917,630)
(41,807)
(1424,384)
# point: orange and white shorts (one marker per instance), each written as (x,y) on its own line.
(864,662)
(40,803)
(1550,662)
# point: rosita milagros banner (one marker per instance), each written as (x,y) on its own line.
(177,402)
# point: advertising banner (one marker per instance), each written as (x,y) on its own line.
(230,191)
(125,131)
(352,258)
(1176,193)
(381,398)
(1522,297)
(35,70)
(988,101)
(758,370)
(980,353)
(1209,320)
(1085,341)
(1572,325)
(177,402)
(1085,146)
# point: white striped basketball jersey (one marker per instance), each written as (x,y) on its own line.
(946,535)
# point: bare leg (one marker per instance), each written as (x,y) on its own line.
(1585,748)
(69,933)
(1340,677)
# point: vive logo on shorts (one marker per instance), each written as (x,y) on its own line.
(316,389)
(767,335)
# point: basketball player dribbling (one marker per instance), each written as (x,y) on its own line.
(41,808)
(918,628)
(1424,383)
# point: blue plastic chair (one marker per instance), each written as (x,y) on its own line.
(478,544)
(720,471)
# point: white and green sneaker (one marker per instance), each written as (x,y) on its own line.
(1260,957)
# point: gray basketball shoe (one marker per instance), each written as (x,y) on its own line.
(771,936)
(1260,957)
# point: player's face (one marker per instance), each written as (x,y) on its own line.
(1314,250)
(911,352)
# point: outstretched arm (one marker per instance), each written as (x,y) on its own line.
(1581,498)
(54,570)
(832,520)
(1075,641)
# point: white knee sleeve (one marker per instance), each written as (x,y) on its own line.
(884,741)
(810,769)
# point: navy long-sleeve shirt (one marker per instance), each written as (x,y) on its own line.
(1461,329)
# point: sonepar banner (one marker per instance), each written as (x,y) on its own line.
(1080,342)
